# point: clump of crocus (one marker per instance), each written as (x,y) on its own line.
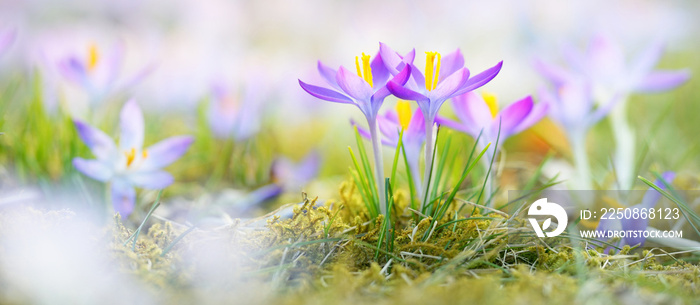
(100,73)
(366,89)
(391,123)
(649,201)
(235,118)
(128,164)
(611,77)
(444,78)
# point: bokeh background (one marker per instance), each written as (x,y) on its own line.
(189,46)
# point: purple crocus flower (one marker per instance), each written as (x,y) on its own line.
(231,118)
(612,78)
(480,114)
(430,91)
(391,123)
(367,90)
(128,165)
(99,73)
(649,201)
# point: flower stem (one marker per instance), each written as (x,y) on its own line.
(583,169)
(624,146)
(378,164)
(429,144)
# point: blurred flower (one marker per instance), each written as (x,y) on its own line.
(612,78)
(477,113)
(286,176)
(100,73)
(649,201)
(431,90)
(573,108)
(232,118)
(6,39)
(391,123)
(366,90)
(128,165)
(605,67)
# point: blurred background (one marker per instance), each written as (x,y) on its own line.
(175,52)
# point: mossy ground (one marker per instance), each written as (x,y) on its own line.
(329,254)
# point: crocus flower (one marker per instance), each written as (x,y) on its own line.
(99,73)
(649,201)
(229,117)
(430,90)
(366,90)
(128,165)
(480,114)
(286,176)
(612,78)
(572,106)
(391,123)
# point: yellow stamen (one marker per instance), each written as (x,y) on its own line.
(144,154)
(93,57)
(366,69)
(130,156)
(492,102)
(432,71)
(403,109)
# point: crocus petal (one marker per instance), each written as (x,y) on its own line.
(257,197)
(390,130)
(446,88)
(123,197)
(353,85)
(512,116)
(380,74)
(154,180)
(366,134)
(328,74)
(478,111)
(73,70)
(652,196)
(392,60)
(556,75)
(6,39)
(325,94)
(480,79)
(416,127)
(606,58)
(131,126)
(405,93)
(454,125)
(450,64)
(536,114)
(663,80)
(165,152)
(99,143)
(308,169)
(645,62)
(94,169)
